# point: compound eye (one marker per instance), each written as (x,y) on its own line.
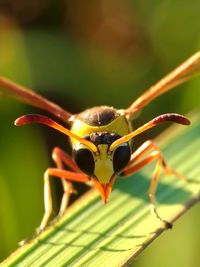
(84,160)
(121,157)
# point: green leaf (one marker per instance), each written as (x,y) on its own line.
(92,234)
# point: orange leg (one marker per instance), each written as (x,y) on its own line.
(60,157)
(155,154)
(66,177)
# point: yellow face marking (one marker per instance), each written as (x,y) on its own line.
(103,165)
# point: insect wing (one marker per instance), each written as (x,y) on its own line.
(178,76)
(28,96)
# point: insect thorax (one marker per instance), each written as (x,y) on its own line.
(100,119)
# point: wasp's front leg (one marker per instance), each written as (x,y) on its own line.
(66,177)
(60,158)
(139,160)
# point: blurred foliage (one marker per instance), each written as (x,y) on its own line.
(81,54)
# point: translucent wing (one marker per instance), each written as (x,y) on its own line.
(179,75)
(12,89)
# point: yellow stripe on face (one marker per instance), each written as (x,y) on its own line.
(103,170)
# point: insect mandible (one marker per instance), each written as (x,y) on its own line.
(101,139)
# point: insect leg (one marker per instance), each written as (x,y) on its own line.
(60,157)
(48,207)
(59,173)
(140,152)
(154,155)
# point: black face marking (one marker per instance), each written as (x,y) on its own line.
(102,138)
(98,116)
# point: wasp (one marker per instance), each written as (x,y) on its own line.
(101,139)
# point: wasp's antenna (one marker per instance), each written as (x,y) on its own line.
(36,118)
(173,117)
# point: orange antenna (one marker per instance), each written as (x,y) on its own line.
(162,118)
(36,118)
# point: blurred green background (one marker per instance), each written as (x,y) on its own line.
(81,54)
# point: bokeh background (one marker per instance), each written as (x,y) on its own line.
(81,54)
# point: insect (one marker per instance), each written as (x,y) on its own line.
(101,139)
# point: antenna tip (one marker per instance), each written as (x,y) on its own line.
(25,119)
(173,117)
(18,121)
